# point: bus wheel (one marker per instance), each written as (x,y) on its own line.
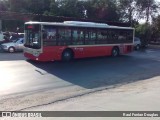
(67,55)
(115,52)
(11,49)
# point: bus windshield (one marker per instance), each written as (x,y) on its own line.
(32,36)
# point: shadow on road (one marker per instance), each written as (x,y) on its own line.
(101,72)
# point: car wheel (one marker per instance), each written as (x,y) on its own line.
(11,49)
(115,52)
(137,47)
(67,55)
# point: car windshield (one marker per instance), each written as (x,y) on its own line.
(16,40)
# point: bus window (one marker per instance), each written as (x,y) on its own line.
(64,36)
(103,37)
(122,36)
(125,36)
(49,35)
(129,36)
(112,36)
(90,37)
(78,37)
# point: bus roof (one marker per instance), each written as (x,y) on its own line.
(79,24)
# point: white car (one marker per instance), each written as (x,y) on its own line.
(11,47)
(137,43)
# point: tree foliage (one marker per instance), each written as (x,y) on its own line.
(127,10)
(144,32)
(106,10)
(156,27)
(147,9)
(67,8)
(102,9)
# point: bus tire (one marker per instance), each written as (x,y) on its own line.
(115,52)
(67,55)
(11,49)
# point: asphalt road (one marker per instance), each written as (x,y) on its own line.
(26,84)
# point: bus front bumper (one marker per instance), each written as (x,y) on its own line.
(30,56)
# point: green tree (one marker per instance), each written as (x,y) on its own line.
(143,31)
(29,6)
(102,10)
(54,8)
(67,8)
(17,5)
(38,6)
(156,27)
(127,10)
(147,9)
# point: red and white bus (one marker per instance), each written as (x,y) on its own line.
(50,41)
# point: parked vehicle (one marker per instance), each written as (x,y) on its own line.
(15,36)
(13,46)
(4,37)
(137,43)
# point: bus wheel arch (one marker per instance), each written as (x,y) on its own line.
(115,51)
(67,54)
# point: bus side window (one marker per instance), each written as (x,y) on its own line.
(129,36)
(102,37)
(78,37)
(112,36)
(90,37)
(49,36)
(64,36)
(122,36)
(52,35)
(68,35)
